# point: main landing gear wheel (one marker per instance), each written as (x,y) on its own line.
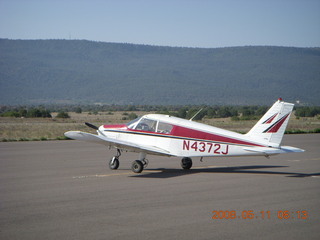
(137,166)
(114,163)
(186,163)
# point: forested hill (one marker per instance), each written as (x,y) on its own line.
(79,71)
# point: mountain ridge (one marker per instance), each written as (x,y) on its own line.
(82,71)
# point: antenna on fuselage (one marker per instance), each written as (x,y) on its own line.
(195,114)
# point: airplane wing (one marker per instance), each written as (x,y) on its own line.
(271,151)
(88,137)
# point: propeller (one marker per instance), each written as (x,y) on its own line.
(95,128)
(91,126)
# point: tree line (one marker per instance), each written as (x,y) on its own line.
(25,112)
(33,112)
(198,112)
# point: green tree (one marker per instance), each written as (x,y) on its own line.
(182,112)
(33,113)
(132,116)
(63,115)
(23,112)
(224,112)
(78,110)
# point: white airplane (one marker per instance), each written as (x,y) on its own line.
(171,136)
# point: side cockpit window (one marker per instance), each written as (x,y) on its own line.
(164,128)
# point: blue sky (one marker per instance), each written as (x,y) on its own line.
(186,23)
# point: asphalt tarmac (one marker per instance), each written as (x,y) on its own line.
(65,190)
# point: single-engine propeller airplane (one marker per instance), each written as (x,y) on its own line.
(171,136)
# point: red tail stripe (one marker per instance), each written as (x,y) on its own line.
(275,127)
(270,119)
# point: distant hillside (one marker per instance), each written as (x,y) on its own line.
(79,71)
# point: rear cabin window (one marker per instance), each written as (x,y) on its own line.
(164,128)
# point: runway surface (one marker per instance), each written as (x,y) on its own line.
(65,190)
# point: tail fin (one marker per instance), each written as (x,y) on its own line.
(270,128)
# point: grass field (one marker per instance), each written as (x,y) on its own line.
(35,129)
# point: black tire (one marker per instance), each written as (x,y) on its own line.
(137,166)
(114,163)
(186,163)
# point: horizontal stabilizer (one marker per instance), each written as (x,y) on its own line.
(289,149)
(272,151)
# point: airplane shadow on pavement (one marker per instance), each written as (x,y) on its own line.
(254,169)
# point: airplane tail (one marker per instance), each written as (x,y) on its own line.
(270,128)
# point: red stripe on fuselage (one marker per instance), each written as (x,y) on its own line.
(115,126)
(183,132)
(196,134)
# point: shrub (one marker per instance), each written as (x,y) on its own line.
(132,116)
(63,115)
(78,110)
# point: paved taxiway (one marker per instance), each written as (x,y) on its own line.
(64,190)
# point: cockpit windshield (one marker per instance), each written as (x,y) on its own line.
(133,123)
(146,124)
(150,125)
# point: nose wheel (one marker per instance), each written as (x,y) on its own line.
(114,162)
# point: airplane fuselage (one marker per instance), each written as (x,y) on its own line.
(171,136)
(183,138)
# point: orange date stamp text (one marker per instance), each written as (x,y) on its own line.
(265,214)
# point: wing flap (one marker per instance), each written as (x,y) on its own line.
(88,137)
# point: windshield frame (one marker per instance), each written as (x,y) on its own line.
(132,124)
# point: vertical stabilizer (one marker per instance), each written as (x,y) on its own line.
(270,128)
